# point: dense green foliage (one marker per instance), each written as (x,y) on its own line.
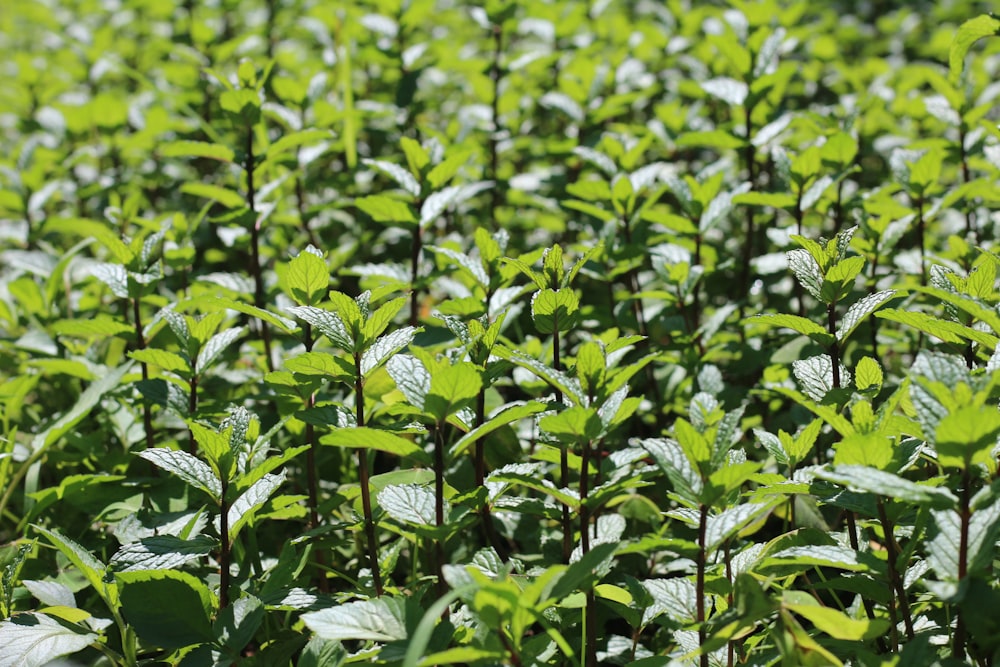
(521,333)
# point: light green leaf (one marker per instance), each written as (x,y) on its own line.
(573,425)
(676,597)
(507,415)
(362,437)
(968,34)
(308,278)
(202,149)
(224,196)
(554,310)
(451,388)
(867,374)
(380,620)
(35,640)
(164,359)
(967,436)
(798,324)
(294,140)
(99,325)
(837,624)
(383,208)
(864,449)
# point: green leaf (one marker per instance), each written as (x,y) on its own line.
(294,140)
(216,345)
(798,324)
(402,177)
(161,552)
(383,208)
(839,279)
(839,625)
(98,326)
(573,425)
(586,572)
(805,268)
(237,624)
(968,34)
(362,437)
(168,361)
(327,323)
(410,504)
(282,323)
(183,618)
(308,278)
(452,387)
(554,310)
(379,620)
(35,639)
(507,415)
(445,170)
(383,348)
(864,449)
(224,196)
(202,149)
(944,330)
(772,199)
(244,508)
(967,436)
(188,468)
(416,155)
(861,309)
(868,374)
(879,482)
(84,561)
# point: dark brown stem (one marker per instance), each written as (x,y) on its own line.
(702,561)
(892,554)
(590,622)
(439,446)
(192,405)
(224,546)
(414,270)
(140,341)
(965,515)
(567,526)
(366,493)
(831,323)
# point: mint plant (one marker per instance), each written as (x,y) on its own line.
(532,334)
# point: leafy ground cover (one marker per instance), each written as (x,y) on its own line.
(521,333)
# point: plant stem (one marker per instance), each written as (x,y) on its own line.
(439,446)
(831,324)
(224,545)
(140,340)
(748,159)
(895,578)
(366,494)
(312,474)
(192,403)
(702,559)
(567,526)
(590,611)
(415,250)
(965,515)
(255,268)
